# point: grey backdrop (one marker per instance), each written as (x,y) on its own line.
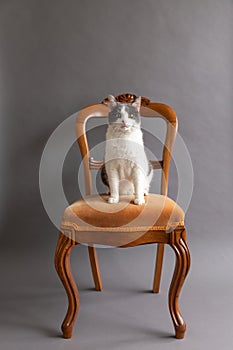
(58,56)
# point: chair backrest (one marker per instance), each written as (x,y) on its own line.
(148,109)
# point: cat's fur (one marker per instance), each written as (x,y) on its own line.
(127,167)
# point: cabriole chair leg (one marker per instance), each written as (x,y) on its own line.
(179,245)
(62,264)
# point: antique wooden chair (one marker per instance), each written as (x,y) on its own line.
(90,220)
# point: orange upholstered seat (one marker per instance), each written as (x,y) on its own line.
(94,212)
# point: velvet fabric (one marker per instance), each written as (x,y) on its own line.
(94,213)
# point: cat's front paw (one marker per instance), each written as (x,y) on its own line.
(113,200)
(139,201)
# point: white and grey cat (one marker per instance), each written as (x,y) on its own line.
(127,167)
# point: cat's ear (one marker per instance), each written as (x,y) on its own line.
(137,103)
(111,101)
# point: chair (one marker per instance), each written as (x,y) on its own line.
(90,220)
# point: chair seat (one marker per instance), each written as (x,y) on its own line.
(94,213)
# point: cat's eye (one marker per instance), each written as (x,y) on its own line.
(131,115)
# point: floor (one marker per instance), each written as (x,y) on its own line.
(125,315)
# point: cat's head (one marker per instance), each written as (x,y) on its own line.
(124,115)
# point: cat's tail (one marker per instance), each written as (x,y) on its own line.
(104,176)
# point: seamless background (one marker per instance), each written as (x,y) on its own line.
(55,58)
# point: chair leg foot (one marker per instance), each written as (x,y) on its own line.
(67,333)
(62,265)
(180,331)
(179,245)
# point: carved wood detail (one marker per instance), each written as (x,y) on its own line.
(128,98)
(178,243)
(62,264)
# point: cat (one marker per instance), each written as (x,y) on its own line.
(127,170)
